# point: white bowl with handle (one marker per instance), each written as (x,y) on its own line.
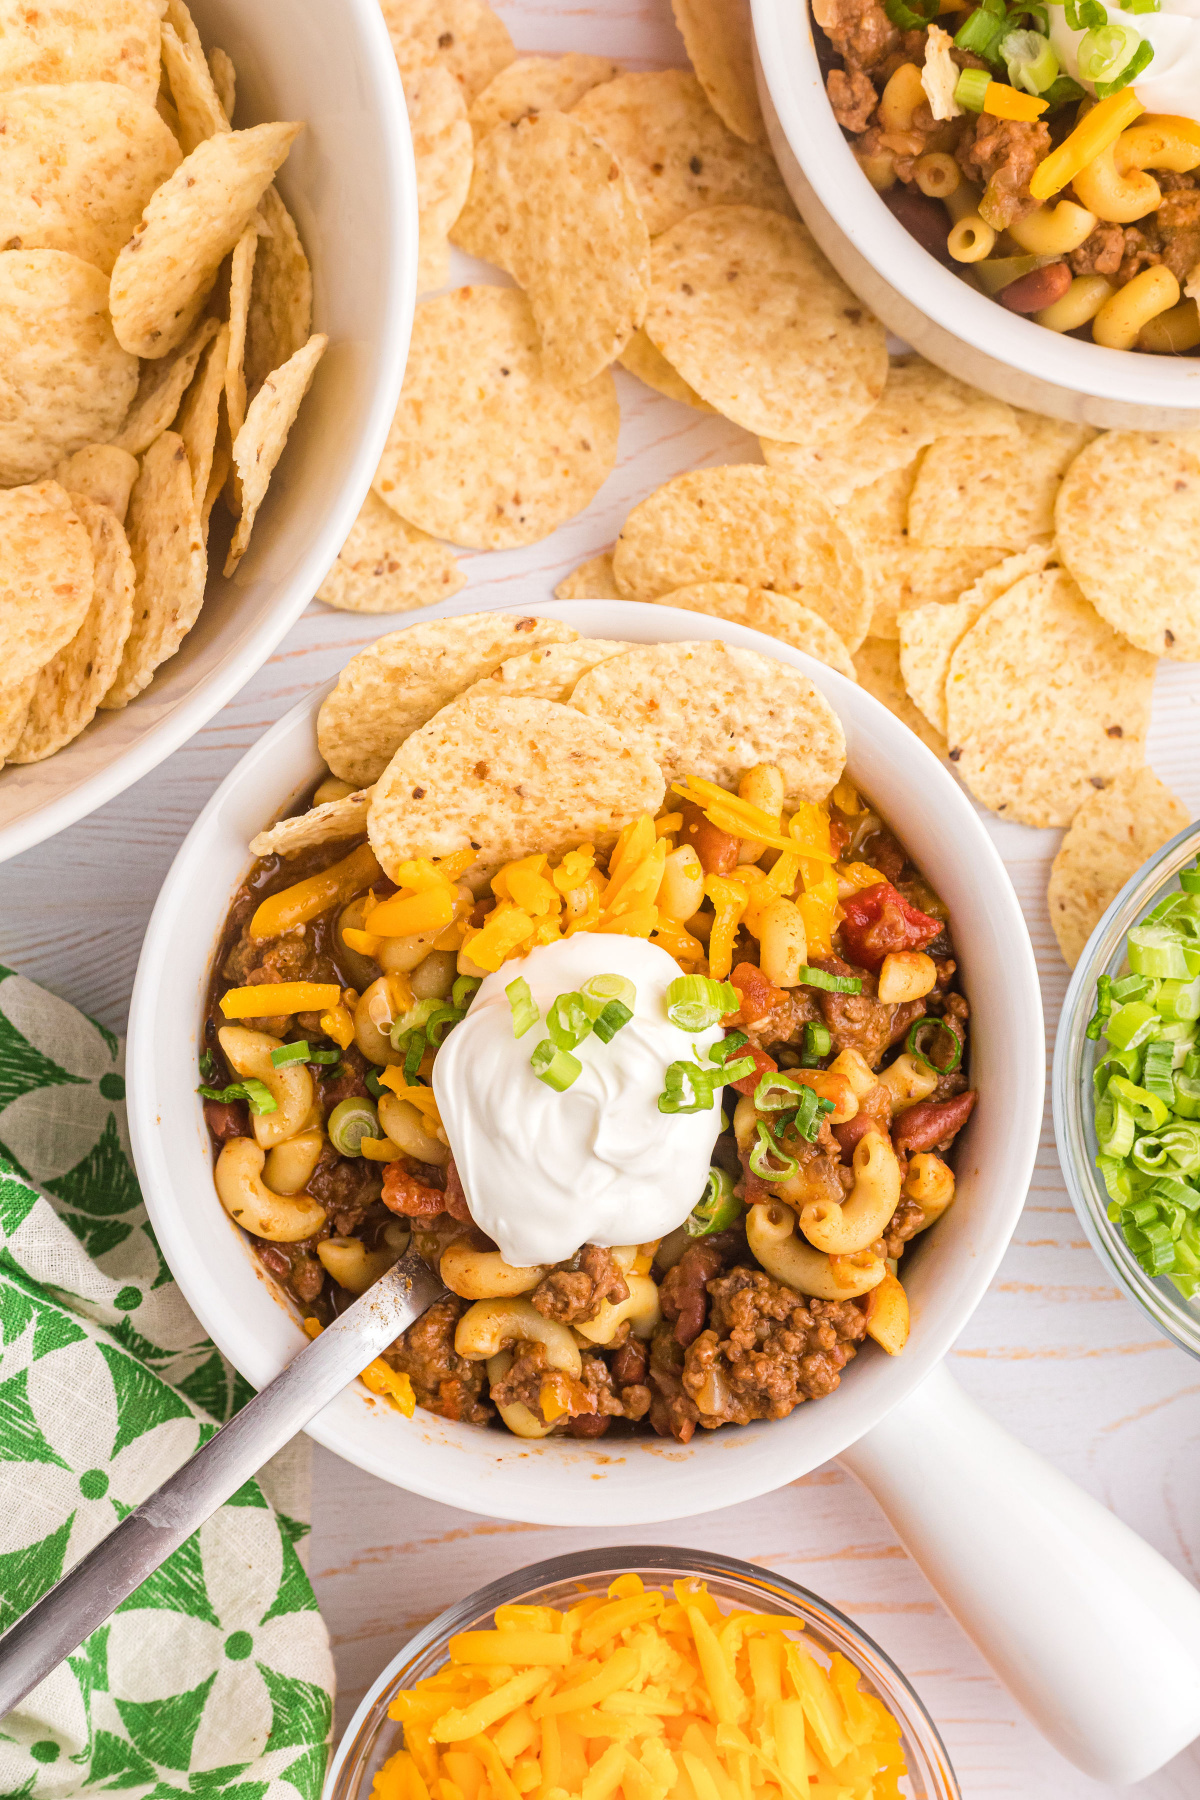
(350,184)
(963,331)
(1087,1625)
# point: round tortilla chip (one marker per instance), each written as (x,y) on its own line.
(994,490)
(64,379)
(919,403)
(538,84)
(45,577)
(102,473)
(549,672)
(387,565)
(645,360)
(751,314)
(161,389)
(279,321)
(1045,703)
(165,272)
(391,689)
(707,710)
(77,165)
(929,635)
(718,37)
(877,666)
(485,450)
(260,442)
(199,414)
(751,525)
(193,90)
(1114,832)
(776,615)
(679,155)
(444,151)
(63,41)
(509,777)
(72,684)
(550,203)
(167,544)
(465,35)
(592,580)
(1128,524)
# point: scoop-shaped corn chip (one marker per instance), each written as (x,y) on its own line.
(388,691)
(752,315)
(388,565)
(45,577)
(259,444)
(64,379)
(163,275)
(678,153)
(746,524)
(72,684)
(550,203)
(508,777)
(167,545)
(485,450)
(711,711)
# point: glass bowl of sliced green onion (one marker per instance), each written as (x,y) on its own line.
(1127,1088)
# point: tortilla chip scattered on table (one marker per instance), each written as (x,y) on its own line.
(718,37)
(592,580)
(509,777)
(389,690)
(387,565)
(465,35)
(1128,524)
(1045,703)
(708,710)
(1111,836)
(994,490)
(538,84)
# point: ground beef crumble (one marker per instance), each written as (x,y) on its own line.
(443,1381)
(573,1293)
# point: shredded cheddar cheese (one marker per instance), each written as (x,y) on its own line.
(379,1376)
(646,1693)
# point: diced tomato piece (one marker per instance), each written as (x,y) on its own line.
(759,996)
(878,921)
(762,1062)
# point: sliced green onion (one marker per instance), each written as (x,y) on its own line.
(930,1027)
(1132,1025)
(1179,999)
(738,1069)
(1189,879)
(1157,949)
(818,1042)
(567,1021)
(259,1095)
(1116,1179)
(440,1021)
(912,17)
(372,1083)
(1182,1140)
(349,1123)
(971,88)
(290,1053)
(614,1018)
(524,1013)
(1063,92)
(1030,61)
(768,1161)
(1085,15)
(412,1019)
(464,990)
(724,1048)
(1114,1127)
(1157,1077)
(555,1066)
(1131,987)
(831,984)
(810,1114)
(1186,1099)
(1103,53)
(687,1089)
(1148,1154)
(208,1068)
(414,1052)
(777,1091)
(696,1002)
(981,34)
(1141,59)
(717,1209)
(1095,1029)
(598,990)
(1148,1110)
(325,1057)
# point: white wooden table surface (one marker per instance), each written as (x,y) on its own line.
(1054,1352)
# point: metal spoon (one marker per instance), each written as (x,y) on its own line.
(96,1586)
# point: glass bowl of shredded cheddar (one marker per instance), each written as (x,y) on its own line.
(642,1673)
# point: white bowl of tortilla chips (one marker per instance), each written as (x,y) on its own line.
(322,272)
(767,698)
(960,329)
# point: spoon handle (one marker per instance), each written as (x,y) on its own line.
(108,1574)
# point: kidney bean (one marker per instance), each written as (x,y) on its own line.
(411,1199)
(932,1123)
(587,1425)
(921,215)
(227,1119)
(456,1199)
(717,850)
(1041,287)
(851,1134)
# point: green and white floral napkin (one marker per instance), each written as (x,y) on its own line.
(214,1680)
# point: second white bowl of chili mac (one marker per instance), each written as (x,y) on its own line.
(197,1023)
(1070,195)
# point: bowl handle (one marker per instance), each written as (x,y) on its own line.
(1093,1632)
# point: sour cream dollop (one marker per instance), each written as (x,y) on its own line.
(544,1172)
(1170,83)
